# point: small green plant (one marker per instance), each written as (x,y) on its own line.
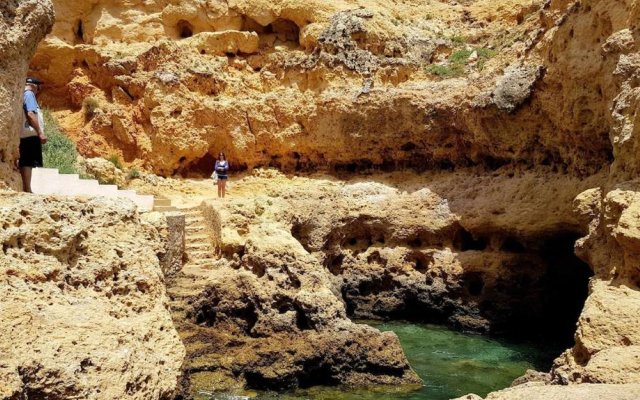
(134,173)
(107,181)
(90,105)
(59,152)
(445,71)
(115,160)
(484,55)
(458,60)
(460,56)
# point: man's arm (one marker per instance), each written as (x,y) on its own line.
(35,123)
(31,109)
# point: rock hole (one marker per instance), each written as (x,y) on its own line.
(474,283)
(465,241)
(185,29)
(334,264)
(512,245)
(79,32)
(303,323)
(408,146)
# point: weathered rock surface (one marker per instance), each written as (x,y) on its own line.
(83,310)
(578,392)
(318,85)
(327,86)
(23,24)
(269,319)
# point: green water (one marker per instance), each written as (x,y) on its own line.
(450,363)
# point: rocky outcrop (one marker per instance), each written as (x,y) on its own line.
(581,392)
(83,311)
(268,318)
(522,107)
(608,335)
(23,23)
(312,87)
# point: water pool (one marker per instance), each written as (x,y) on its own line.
(450,363)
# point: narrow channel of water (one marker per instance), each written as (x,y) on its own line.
(450,363)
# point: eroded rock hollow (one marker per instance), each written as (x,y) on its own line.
(468,163)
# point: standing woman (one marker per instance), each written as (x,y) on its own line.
(222,168)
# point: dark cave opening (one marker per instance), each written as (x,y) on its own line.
(79,32)
(184,29)
(536,294)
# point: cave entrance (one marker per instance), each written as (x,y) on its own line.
(79,32)
(199,168)
(522,288)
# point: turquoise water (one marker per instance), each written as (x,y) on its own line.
(450,363)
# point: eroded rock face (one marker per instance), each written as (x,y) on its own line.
(83,311)
(317,85)
(323,86)
(460,249)
(23,23)
(268,318)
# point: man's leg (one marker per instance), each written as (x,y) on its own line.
(26,178)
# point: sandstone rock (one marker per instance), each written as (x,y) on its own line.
(23,23)
(221,43)
(516,86)
(103,170)
(291,104)
(83,311)
(574,392)
(269,319)
(170,227)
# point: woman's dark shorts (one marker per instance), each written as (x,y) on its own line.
(30,152)
(223,177)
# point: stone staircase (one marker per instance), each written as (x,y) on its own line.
(48,181)
(197,273)
(163,204)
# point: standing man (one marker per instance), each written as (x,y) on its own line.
(32,135)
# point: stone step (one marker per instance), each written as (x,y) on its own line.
(161,202)
(194,246)
(195,229)
(108,191)
(200,254)
(44,181)
(197,238)
(164,208)
(48,181)
(70,184)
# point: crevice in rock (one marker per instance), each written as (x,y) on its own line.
(281,31)
(184,29)
(79,32)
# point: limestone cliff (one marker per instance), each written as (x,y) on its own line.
(83,312)
(529,103)
(312,86)
(23,24)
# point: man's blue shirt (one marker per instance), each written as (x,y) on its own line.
(30,104)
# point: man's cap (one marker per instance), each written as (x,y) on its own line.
(34,81)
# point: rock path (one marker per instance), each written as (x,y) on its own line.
(197,273)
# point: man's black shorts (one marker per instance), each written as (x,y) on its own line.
(30,152)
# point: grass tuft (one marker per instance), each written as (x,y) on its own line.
(458,61)
(59,152)
(90,105)
(115,160)
(134,173)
